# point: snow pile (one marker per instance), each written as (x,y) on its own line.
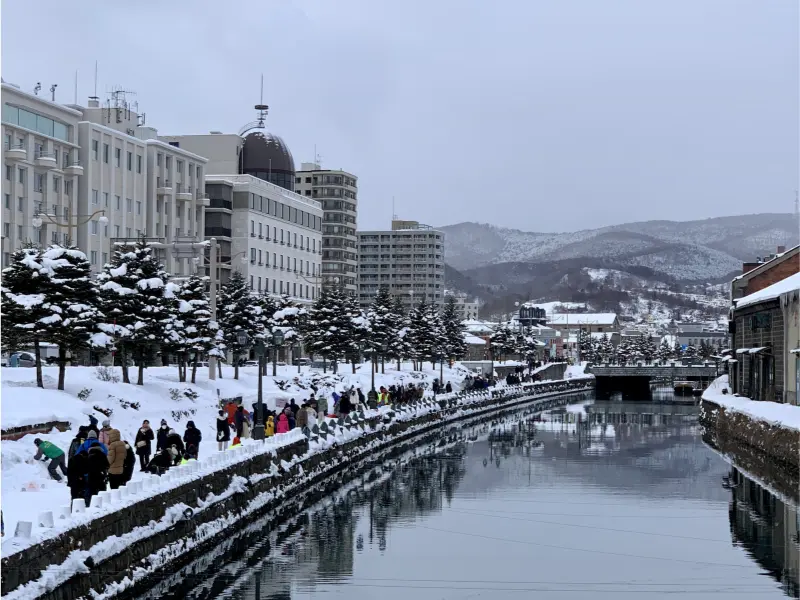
(773,413)
(27,487)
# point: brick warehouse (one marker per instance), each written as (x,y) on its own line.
(766,337)
(766,271)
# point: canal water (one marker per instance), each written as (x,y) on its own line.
(592,500)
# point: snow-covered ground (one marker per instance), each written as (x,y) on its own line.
(774,413)
(27,488)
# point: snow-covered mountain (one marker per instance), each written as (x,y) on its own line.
(709,249)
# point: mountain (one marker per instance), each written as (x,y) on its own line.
(705,250)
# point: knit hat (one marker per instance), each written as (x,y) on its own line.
(106,423)
(171,431)
(37,441)
(92,435)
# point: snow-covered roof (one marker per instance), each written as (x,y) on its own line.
(474,326)
(474,340)
(784,286)
(582,319)
(760,267)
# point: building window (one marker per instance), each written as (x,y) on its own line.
(6,229)
(8,172)
(259,284)
(93,257)
(251,282)
(38,182)
(130,161)
(128,232)
(168,162)
(128,204)
(118,202)
(138,163)
(95,149)
(105,153)
(273,286)
(21,173)
(8,201)
(95,197)
(116,230)
(20,204)
(158,159)
(118,157)
(56,184)
(260,232)
(94,227)
(105,199)
(105,257)
(294,290)
(138,207)
(252,255)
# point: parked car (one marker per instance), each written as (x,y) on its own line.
(303,362)
(22,359)
(250,363)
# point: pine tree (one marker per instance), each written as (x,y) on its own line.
(235,315)
(133,302)
(328,326)
(585,346)
(25,287)
(605,349)
(73,300)
(455,347)
(358,331)
(690,352)
(200,330)
(677,350)
(174,342)
(379,317)
(399,342)
(649,349)
(288,317)
(664,351)
(501,342)
(422,337)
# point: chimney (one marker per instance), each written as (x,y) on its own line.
(94,102)
(749,266)
(781,249)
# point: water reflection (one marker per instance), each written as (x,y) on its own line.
(592,500)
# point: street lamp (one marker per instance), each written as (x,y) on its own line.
(258,428)
(68,223)
(277,342)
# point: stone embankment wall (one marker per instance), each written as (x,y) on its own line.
(770,452)
(15,433)
(133,543)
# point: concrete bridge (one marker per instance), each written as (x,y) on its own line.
(635,381)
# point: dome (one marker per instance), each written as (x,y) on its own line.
(267,157)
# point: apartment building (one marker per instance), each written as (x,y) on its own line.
(409,259)
(270,234)
(42,170)
(338,192)
(466,307)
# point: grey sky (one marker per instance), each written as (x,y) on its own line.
(539,115)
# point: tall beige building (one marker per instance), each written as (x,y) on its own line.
(338,192)
(408,259)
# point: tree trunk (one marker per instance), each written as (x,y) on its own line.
(236,366)
(383,366)
(140,380)
(398,363)
(37,353)
(353,362)
(219,368)
(194,366)
(324,364)
(62,366)
(124,364)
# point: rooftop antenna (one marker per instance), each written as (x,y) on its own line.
(53,92)
(261,113)
(37,88)
(76,87)
(394,214)
(95,97)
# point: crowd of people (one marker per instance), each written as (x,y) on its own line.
(98,458)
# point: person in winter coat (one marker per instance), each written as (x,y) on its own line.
(98,467)
(269,426)
(51,452)
(161,435)
(293,406)
(283,424)
(290,417)
(117,453)
(230,410)
(92,425)
(301,418)
(78,476)
(130,463)
(312,416)
(353,398)
(322,407)
(246,427)
(144,444)
(160,463)
(103,434)
(92,441)
(448,388)
(345,406)
(192,439)
(175,446)
(361,399)
(223,431)
(76,443)
(238,420)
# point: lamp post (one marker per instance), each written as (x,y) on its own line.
(68,223)
(258,428)
(277,342)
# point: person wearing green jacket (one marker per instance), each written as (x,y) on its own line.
(51,452)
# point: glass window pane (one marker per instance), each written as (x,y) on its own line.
(60,131)
(10,114)
(27,119)
(44,125)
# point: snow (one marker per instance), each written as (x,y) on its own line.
(474,340)
(27,300)
(774,413)
(606,319)
(25,404)
(784,286)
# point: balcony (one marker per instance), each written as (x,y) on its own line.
(217,203)
(74,168)
(16,152)
(183,194)
(46,160)
(163,187)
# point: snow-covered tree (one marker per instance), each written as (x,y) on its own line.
(691,351)
(605,349)
(586,346)
(677,350)
(328,326)
(455,346)
(25,287)
(73,302)
(132,294)
(398,323)
(174,341)
(664,350)
(379,317)
(649,349)
(501,342)
(288,317)
(358,331)
(236,314)
(201,332)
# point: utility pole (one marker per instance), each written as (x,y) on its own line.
(212,267)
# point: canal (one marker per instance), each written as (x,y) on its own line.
(592,500)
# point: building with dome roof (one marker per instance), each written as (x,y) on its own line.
(266,156)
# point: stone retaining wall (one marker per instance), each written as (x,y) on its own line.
(770,452)
(15,433)
(28,565)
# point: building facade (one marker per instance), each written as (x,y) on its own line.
(765,271)
(338,192)
(42,169)
(270,234)
(408,259)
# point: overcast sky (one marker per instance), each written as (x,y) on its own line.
(543,115)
